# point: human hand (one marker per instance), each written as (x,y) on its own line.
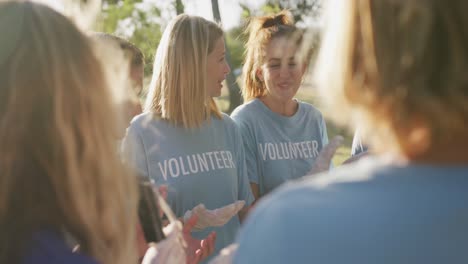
(217,217)
(323,160)
(197,250)
(169,250)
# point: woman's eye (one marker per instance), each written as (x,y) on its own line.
(274,66)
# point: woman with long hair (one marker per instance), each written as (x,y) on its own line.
(282,135)
(182,140)
(62,183)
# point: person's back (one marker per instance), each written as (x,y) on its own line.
(398,69)
(370,212)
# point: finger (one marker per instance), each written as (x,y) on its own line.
(203,248)
(190,223)
(211,243)
(198,256)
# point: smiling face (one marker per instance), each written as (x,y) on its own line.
(281,71)
(216,69)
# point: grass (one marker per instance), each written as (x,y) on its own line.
(308,94)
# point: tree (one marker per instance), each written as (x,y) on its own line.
(179,7)
(133,20)
(235,98)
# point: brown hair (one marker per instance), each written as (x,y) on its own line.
(59,166)
(261,31)
(137,57)
(384,63)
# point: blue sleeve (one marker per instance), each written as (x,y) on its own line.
(245,192)
(134,152)
(250,150)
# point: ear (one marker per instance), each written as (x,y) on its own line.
(259,74)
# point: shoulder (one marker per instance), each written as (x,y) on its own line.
(227,121)
(145,123)
(302,212)
(326,184)
(310,110)
(142,120)
(246,110)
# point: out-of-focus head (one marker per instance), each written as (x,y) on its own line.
(132,53)
(129,105)
(59,163)
(398,68)
(182,88)
(273,63)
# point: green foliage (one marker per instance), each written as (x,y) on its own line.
(272,8)
(235,44)
(127,19)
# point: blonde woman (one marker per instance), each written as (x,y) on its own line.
(397,68)
(183,140)
(61,181)
(282,135)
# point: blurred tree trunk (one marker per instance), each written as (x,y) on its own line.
(179,6)
(235,97)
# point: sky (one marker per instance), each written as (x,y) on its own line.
(229,9)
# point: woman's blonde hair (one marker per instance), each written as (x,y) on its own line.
(384,63)
(59,164)
(261,30)
(178,92)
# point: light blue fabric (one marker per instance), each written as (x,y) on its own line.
(204,165)
(279,148)
(363,213)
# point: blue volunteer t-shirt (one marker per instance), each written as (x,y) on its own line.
(362,213)
(279,148)
(201,165)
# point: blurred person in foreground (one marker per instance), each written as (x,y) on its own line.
(131,105)
(399,69)
(65,197)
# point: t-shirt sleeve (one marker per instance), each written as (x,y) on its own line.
(250,150)
(133,151)
(245,192)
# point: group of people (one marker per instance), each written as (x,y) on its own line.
(74,178)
